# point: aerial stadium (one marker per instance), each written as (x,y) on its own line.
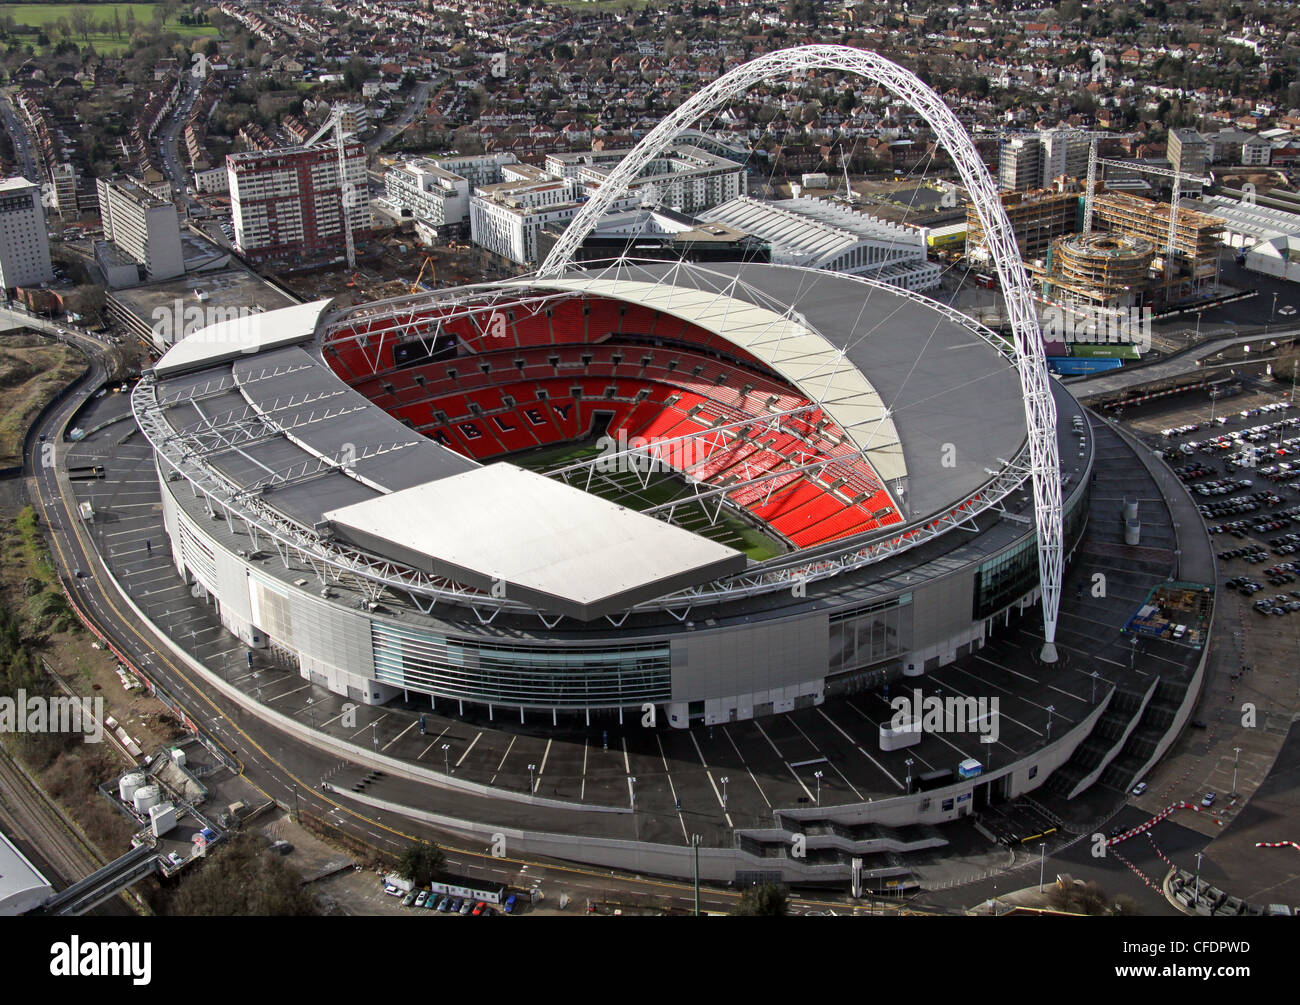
(644,483)
(723,491)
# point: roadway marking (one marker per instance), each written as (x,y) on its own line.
(748,769)
(435,740)
(414,723)
(369,725)
(759,727)
(469,748)
(672,789)
(277,697)
(503,759)
(541,769)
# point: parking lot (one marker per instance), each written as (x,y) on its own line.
(707,780)
(1236,455)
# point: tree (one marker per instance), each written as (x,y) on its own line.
(240,877)
(767,900)
(421,862)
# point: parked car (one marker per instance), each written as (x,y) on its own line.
(421,898)
(1139,788)
(509,905)
(1209,798)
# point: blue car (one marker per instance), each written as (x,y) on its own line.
(444,905)
(509,905)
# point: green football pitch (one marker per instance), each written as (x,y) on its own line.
(625,488)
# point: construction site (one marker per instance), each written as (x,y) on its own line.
(1118,255)
(393,264)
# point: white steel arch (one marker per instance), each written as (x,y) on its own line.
(1040,410)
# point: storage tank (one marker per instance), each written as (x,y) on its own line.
(147,797)
(130,783)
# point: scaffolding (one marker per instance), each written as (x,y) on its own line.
(1193,236)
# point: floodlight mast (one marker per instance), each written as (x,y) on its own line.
(1040,410)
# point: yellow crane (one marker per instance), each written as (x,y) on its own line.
(428,263)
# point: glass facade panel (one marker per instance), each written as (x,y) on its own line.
(520,674)
(870,635)
(1002,579)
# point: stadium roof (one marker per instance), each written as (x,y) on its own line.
(239,336)
(22,887)
(954,406)
(527,537)
(811,232)
(782,341)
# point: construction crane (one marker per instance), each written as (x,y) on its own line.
(347,191)
(428,263)
(1178,178)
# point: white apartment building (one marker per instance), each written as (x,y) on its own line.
(436,192)
(24,242)
(507,218)
(142,227)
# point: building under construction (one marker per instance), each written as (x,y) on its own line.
(1196,240)
(1101,269)
(1037,219)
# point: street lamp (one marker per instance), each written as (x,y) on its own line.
(724,792)
(632,789)
(1094,687)
(908,762)
(1197,898)
(446,759)
(1236,754)
(988,740)
(1042,863)
(374,732)
(1050,710)
(818,775)
(1132,659)
(532,784)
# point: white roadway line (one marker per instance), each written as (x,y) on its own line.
(541,768)
(368,726)
(435,740)
(672,789)
(846,736)
(513,738)
(582,790)
(709,775)
(768,739)
(414,723)
(627,767)
(285,694)
(1001,714)
(750,770)
(1015,673)
(469,748)
(807,790)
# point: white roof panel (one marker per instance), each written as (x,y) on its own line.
(542,541)
(252,333)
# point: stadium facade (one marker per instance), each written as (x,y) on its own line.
(725,490)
